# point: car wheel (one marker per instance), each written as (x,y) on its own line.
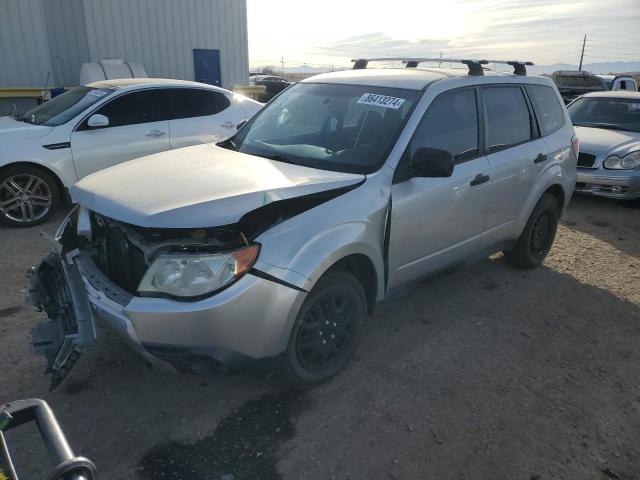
(28,196)
(326,331)
(537,237)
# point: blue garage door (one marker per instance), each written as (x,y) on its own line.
(206,64)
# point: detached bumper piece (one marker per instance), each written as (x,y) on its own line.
(56,288)
(67,465)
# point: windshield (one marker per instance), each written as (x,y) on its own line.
(606,112)
(64,107)
(347,128)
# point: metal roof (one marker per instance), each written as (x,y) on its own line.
(615,94)
(127,82)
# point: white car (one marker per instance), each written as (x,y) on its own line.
(46,150)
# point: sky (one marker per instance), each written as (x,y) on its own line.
(329,33)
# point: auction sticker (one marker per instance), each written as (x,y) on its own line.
(381,100)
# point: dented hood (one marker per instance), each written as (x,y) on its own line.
(198,187)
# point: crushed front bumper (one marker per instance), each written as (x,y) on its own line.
(620,184)
(246,324)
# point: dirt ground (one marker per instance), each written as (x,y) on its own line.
(487,373)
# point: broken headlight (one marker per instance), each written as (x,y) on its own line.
(192,275)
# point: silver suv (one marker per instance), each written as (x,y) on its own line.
(272,247)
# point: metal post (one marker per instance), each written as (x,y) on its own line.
(584,41)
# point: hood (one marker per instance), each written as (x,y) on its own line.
(604,142)
(15,130)
(198,187)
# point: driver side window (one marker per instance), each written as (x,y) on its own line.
(145,106)
(451,124)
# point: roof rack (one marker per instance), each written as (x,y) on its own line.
(475,66)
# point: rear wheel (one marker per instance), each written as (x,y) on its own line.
(28,196)
(326,331)
(537,237)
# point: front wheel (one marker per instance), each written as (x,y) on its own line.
(28,196)
(537,237)
(326,331)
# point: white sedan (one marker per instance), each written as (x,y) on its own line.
(46,150)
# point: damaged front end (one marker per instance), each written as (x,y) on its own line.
(105,267)
(56,288)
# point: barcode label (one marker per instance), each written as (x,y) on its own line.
(381,100)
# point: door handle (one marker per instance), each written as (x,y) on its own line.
(155,133)
(228,124)
(540,158)
(480,178)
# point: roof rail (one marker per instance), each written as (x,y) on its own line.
(475,66)
(519,68)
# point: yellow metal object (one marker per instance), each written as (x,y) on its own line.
(18,92)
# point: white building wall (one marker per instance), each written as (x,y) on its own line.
(161,35)
(24,51)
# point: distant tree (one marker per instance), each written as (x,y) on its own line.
(268,70)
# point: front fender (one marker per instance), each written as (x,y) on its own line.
(301,249)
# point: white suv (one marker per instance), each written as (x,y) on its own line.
(86,129)
(274,245)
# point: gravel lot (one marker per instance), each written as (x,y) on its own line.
(487,373)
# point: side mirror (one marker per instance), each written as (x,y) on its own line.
(432,162)
(98,121)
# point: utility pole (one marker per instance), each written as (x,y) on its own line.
(584,41)
(282,64)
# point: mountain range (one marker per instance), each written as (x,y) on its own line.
(600,67)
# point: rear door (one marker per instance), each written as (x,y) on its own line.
(138,126)
(516,154)
(436,222)
(202,116)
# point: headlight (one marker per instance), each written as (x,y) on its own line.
(192,275)
(628,162)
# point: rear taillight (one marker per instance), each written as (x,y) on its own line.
(575,145)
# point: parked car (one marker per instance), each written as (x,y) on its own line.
(619,82)
(46,150)
(572,84)
(272,246)
(273,84)
(608,125)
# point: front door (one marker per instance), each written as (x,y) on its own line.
(138,126)
(436,222)
(206,65)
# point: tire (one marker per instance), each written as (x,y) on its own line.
(28,196)
(326,331)
(537,237)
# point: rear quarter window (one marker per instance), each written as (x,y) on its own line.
(547,107)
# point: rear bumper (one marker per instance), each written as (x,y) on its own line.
(609,183)
(246,324)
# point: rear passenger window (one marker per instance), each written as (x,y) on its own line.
(549,112)
(508,117)
(191,102)
(451,124)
